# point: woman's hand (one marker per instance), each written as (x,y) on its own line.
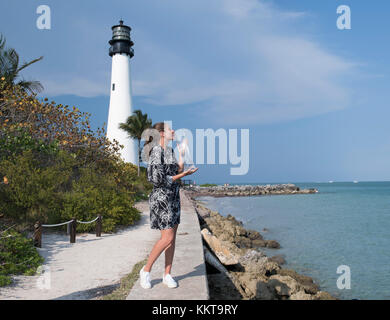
(190,171)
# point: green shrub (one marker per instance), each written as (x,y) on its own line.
(58,168)
(34,192)
(92,195)
(59,192)
(17,256)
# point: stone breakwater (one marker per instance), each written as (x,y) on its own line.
(245,272)
(247,190)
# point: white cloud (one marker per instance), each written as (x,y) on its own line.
(247,9)
(280,76)
(243,61)
(74,85)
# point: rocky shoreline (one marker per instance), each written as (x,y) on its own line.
(237,268)
(247,190)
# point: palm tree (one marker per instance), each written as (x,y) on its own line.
(10,69)
(134,126)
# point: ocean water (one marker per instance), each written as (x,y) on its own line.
(345,223)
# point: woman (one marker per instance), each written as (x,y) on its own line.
(164,171)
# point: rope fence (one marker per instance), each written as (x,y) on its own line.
(56,225)
(88,221)
(71,229)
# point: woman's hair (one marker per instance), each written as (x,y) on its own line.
(159,126)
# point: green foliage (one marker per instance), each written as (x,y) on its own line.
(208,185)
(17,256)
(34,192)
(135,126)
(92,195)
(62,191)
(14,142)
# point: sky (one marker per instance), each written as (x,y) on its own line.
(313,97)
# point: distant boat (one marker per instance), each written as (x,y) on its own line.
(331,181)
(355,181)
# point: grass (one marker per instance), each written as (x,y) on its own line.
(126,283)
(208,185)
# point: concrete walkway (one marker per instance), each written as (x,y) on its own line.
(188,267)
(93,266)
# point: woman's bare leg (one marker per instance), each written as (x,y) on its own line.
(167,236)
(169,252)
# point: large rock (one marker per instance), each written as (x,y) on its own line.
(255,287)
(225,251)
(306,282)
(243,242)
(259,243)
(272,244)
(323,295)
(301,295)
(231,230)
(284,286)
(263,292)
(254,235)
(258,263)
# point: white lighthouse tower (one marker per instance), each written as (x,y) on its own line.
(120,99)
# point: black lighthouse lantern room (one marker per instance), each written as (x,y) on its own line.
(121,41)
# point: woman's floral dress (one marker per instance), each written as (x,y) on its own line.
(164,199)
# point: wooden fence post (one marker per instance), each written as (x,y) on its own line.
(73,230)
(99,226)
(37,237)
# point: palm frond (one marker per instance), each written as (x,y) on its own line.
(136,124)
(2,42)
(26,64)
(31,86)
(9,64)
(9,68)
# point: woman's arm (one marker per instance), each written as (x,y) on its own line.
(178,176)
(183,174)
(181,166)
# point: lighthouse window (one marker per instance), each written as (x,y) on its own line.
(113,86)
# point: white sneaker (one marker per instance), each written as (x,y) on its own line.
(145,279)
(168,280)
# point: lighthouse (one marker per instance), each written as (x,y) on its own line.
(120,108)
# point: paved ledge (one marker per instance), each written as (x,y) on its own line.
(188,269)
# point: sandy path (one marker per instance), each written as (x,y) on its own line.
(90,266)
